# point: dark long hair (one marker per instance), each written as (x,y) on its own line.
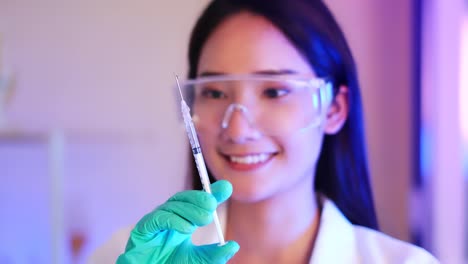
(342,173)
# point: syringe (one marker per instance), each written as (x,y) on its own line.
(197,154)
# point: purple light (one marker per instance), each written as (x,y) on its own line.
(464,94)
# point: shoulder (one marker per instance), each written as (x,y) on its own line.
(358,244)
(111,250)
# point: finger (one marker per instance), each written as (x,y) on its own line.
(199,198)
(194,206)
(221,190)
(215,253)
(155,226)
(191,213)
(183,212)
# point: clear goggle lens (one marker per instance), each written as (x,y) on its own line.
(273,104)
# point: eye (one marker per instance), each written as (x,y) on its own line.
(212,93)
(275,92)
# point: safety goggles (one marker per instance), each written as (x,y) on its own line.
(274,104)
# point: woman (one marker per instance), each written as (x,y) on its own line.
(276,102)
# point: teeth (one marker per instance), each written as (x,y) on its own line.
(250,159)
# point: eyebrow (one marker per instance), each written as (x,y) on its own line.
(260,72)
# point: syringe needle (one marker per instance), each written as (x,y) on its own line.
(178,86)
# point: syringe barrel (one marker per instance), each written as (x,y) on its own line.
(190,127)
(200,162)
(201,167)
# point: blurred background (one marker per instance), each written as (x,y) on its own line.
(89,132)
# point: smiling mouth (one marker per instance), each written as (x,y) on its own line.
(250,159)
(248,162)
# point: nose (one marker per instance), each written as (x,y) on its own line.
(237,125)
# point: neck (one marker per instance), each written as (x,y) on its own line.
(278,227)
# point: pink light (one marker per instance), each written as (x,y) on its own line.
(464,91)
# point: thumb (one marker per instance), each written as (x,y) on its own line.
(221,190)
(216,253)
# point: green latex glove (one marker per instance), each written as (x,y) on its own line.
(164,235)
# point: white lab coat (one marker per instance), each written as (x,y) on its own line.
(338,241)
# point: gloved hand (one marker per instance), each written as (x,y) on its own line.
(164,235)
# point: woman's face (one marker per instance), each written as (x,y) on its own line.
(258,164)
